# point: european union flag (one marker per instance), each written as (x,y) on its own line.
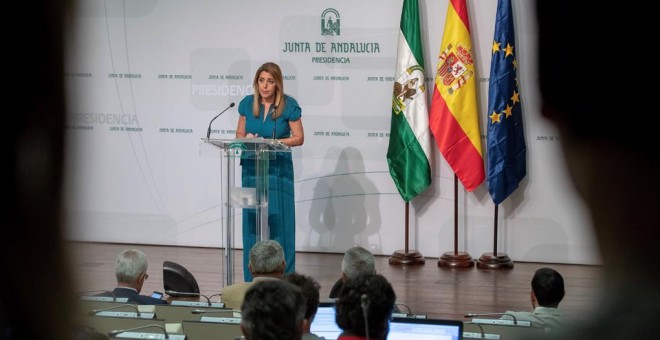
(507,152)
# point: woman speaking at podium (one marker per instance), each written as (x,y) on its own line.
(270,113)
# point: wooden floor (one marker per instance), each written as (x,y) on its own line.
(441,293)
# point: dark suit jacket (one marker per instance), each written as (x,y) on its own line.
(134,297)
(336,288)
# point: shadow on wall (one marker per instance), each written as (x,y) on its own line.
(344,211)
(556,246)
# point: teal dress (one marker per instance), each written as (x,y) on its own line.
(281,203)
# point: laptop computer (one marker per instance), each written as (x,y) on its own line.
(324,324)
(400,328)
(425,329)
(200,330)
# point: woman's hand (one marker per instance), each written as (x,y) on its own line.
(249,135)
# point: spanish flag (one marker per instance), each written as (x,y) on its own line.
(453,117)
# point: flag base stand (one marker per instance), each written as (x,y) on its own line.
(412,257)
(453,259)
(494,261)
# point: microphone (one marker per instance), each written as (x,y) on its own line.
(185,294)
(398,313)
(364,303)
(472,315)
(204,311)
(193,303)
(96,297)
(208,132)
(274,120)
(94,311)
(397,304)
(113,333)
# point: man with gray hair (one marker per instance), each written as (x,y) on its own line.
(266,262)
(357,260)
(131,272)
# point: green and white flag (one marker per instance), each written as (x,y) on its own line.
(409,150)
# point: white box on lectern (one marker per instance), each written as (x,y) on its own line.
(243,197)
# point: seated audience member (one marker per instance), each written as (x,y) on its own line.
(357,260)
(36,286)
(131,272)
(611,164)
(266,263)
(273,310)
(547,293)
(364,308)
(311,291)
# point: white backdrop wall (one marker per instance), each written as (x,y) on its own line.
(144,79)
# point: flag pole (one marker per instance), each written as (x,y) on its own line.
(495,260)
(453,116)
(410,142)
(406,256)
(456,259)
(507,160)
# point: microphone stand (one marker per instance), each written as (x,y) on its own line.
(184,294)
(272,113)
(208,131)
(119,331)
(204,311)
(197,295)
(472,315)
(95,311)
(208,299)
(481,329)
(364,304)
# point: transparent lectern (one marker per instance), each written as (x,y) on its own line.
(261,151)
